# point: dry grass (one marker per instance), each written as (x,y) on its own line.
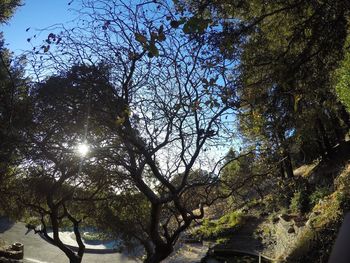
(342,183)
(2,244)
(305,170)
(328,210)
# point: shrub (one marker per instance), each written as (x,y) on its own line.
(211,229)
(96,236)
(317,195)
(299,202)
(33,221)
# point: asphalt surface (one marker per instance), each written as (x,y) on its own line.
(37,250)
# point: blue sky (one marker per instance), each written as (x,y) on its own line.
(36,14)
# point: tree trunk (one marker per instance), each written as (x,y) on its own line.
(287,162)
(288,167)
(320,145)
(81,246)
(344,116)
(324,136)
(160,249)
(159,254)
(338,131)
(281,170)
(73,257)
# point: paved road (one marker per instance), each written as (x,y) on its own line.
(37,250)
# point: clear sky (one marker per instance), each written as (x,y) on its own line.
(36,14)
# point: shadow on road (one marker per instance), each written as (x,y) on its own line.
(5,224)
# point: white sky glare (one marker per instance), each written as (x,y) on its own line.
(83,149)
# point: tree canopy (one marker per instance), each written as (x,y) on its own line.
(7,8)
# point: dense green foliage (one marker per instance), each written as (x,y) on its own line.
(287,52)
(343,81)
(298,203)
(7,8)
(292,106)
(216,229)
(13,110)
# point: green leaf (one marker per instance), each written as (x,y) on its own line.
(120,121)
(161,37)
(174,24)
(297,98)
(154,50)
(161,30)
(177,107)
(195,25)
(46,48)
(141,38)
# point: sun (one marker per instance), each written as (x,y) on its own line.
(83,149)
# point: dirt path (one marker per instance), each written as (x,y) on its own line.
(188,253)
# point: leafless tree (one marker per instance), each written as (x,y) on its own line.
(173,105)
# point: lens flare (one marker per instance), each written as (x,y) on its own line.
(83,149)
